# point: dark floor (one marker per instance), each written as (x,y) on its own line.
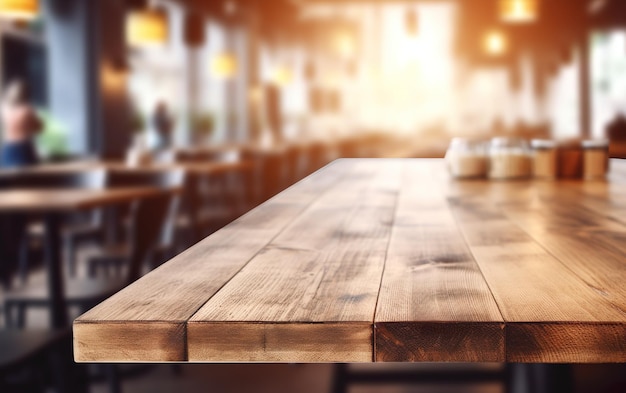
(317,378)
(267,378)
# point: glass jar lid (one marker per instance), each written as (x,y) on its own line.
(508,142)
(543,144)
(596,144)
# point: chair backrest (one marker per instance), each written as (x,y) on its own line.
(192,156)
(146,178)
(152,218)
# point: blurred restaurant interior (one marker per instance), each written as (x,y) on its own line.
(234,101)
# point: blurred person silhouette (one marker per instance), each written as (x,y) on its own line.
(20,125)
(163,126)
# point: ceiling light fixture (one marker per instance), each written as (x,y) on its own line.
(19,9)
(519,11)
(495,43)
(412,23)
(147,27)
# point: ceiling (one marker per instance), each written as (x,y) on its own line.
(561,23)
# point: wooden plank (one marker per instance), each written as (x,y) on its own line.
(595,253)
(113,342)
(566,342)
(310,295)
(550,313)
(171,294)
(434,304)
(63,200)
(282,342)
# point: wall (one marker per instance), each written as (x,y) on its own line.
(87,75)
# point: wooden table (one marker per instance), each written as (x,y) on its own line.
(53,204)
(388,260)
(201,168)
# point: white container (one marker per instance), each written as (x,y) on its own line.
(466,159)
(545,159)
(595,159)
(509,158)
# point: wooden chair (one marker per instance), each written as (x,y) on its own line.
(147,217)
(118,256)
(211,199)
(85,228)
(35,360)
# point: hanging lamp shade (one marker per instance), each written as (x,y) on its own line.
(224,65)
(345,45)
(147,27)
(282,76)
(495,43)
(519,11)
(411,21)
(19,9)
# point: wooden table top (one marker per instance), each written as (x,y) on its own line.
(388,260)
(66,200)
(201,168)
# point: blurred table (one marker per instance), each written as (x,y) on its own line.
(53,204)
(210,167)
(388,261)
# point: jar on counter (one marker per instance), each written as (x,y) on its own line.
(466,158)
(570,159)
(509,158)
(545,159)
(596,159)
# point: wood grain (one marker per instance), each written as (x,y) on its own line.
(566,343)
(434,304)
(171,294)
(388,260)
(320,277)
(280,342)
(150,341)
(535,292)
(445,341)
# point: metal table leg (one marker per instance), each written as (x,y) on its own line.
(58,310)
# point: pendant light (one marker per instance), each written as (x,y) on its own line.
(194,30)
(283,76)
(411,22)
(19,9)
(345,45)
(147,27)
(224,65)
(519,11)
(495,43)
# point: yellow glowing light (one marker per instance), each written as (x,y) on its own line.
(224,65)
(19,9)
(146,28)
(282,76)
(519,11)
(495,43)
(344,44)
